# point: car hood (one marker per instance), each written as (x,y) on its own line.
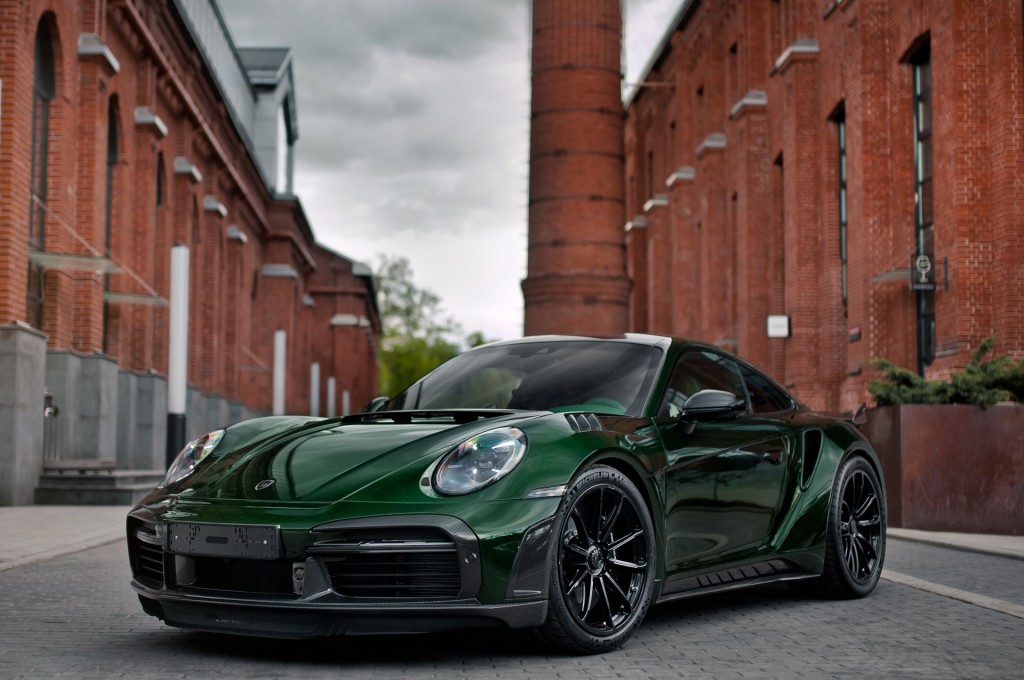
(327,463)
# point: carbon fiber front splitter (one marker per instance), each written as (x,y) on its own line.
(299,619)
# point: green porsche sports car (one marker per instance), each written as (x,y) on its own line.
(562,484)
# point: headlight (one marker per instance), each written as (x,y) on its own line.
(191,456)
(479,461)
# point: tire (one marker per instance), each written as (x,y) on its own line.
(855,541)
(603,565)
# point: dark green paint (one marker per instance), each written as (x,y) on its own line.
(727,494)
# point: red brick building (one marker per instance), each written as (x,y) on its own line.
(820,160)
(126,127)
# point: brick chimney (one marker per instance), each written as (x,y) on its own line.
(576,278)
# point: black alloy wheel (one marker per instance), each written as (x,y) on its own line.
(855,546)
(860,526)
(603,569)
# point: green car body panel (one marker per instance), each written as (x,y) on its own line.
(727,495)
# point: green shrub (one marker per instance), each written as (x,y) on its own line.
(982,382)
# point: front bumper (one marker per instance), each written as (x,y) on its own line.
(302,619)
(398,574)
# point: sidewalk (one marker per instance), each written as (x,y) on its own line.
(989,544)
(40,532)
(29,533)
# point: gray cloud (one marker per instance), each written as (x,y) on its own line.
(414,123)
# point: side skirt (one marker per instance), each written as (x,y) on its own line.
(769,571)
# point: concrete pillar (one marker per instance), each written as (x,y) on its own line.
(150,422)
(127,385)
(314,389)
(97,394)
(280,365)
(85,389)
(332,387)
(23,365)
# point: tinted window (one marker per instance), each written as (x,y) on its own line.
(765,396)
(604,377)
(700,370)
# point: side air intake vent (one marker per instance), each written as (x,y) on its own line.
(584,422)
(809,460)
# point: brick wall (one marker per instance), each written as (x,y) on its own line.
(235,307)
(744,145)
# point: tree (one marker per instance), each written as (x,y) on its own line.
(417,331)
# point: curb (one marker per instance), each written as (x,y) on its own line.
(1011,547)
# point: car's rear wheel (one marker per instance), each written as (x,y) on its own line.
(855,545)
(602,572)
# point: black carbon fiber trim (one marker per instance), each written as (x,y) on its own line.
(323,616)
(530,571)
(584,422)
(735,577)
(145,552)
(337,535)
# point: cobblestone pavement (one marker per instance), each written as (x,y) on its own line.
(76,617)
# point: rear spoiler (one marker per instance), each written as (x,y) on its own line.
(860,416)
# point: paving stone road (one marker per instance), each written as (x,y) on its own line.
(76,617)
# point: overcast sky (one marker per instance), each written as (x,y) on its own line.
(414,132)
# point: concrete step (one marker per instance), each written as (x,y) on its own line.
(113,479)
(76,466)
(128,494)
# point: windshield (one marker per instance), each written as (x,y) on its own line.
(574,375)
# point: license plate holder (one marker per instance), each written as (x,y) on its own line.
(245,541)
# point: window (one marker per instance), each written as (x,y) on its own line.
(764,395)
(924,228)
(111,166)
(587,375)
(840,120)
(735,91)
(44,91)
(161,180)
(109,210)
(700,370)
(285,138)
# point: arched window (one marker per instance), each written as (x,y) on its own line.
(109,210)
(196,231)
(111,166)
(161,180)
(44,91)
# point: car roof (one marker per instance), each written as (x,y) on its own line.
(630,338)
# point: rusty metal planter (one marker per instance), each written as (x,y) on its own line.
(952,467)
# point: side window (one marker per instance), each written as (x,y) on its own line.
(700,370)
(765,397)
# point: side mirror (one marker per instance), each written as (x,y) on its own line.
(709,406)
(375,404)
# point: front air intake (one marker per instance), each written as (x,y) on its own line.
(146,551)
(397,570)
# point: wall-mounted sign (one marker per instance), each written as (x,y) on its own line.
(855,333)
(922,272)
(778,326)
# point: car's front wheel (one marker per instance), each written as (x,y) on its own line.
(602,572)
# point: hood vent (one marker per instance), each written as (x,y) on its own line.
(584,422)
